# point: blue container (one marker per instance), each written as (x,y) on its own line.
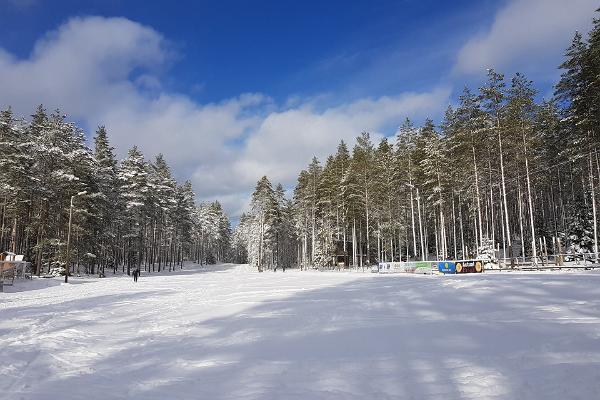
(447,267)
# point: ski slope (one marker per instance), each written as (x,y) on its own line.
(226,332)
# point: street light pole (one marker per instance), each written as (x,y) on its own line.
(67,266)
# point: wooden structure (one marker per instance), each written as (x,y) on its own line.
(12,266)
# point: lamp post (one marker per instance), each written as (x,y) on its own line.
(67,266)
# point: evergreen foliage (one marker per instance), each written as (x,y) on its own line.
(133,214)
(502,176)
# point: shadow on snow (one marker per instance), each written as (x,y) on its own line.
(385,337)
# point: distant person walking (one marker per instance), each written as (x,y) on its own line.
(136,274)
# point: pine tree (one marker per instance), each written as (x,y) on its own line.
(312,192)
(385,199)
(405,144)
(107,206)
(521,111)
(493,97)
(467,142)
(183,221)
(432,164)
(362,169)
(302,212)
(263,229)
(341,170)
(133,176)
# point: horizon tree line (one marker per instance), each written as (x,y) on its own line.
(133,215)
(502,174)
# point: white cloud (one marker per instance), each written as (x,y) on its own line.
(526,34)
(107,71)
(83,66)
(286,141)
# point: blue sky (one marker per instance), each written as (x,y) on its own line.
(232,90)
(281,48)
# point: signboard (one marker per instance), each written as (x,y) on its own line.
(447,267)
(469,266)
(425,267)
(460,266)
(395,267)
(419,267)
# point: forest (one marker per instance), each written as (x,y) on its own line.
(504,176)
(128,214)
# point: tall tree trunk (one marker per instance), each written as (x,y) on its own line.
(13,237)
(519,202)
(437,238)
(2,225)
(378,243)
(40,252)
(534,248)
(354,249)
(504,199)
(360,243)
(462,232)
(367,220)
(593,195)
(423,256)
(503,229)
(412,216)
(442,222)
(477,195)
(454,228)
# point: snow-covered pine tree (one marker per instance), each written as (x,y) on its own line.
(183,222)
(494,101)
(341,169)
(107,207)
(362,170)
(405,166)
(133,176)
(520,110)
(161,209)
(302,220)
(386,201)
(263,211)
(435,181)
(467,145)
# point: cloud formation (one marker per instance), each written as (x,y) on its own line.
(108,71)
(525,34)
(288,139)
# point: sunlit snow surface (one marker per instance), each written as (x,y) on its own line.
(227,332)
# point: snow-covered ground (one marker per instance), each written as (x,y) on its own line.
(226,332)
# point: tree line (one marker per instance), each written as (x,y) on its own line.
(127,214)
(502,174)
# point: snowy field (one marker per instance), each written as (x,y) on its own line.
(225,332)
